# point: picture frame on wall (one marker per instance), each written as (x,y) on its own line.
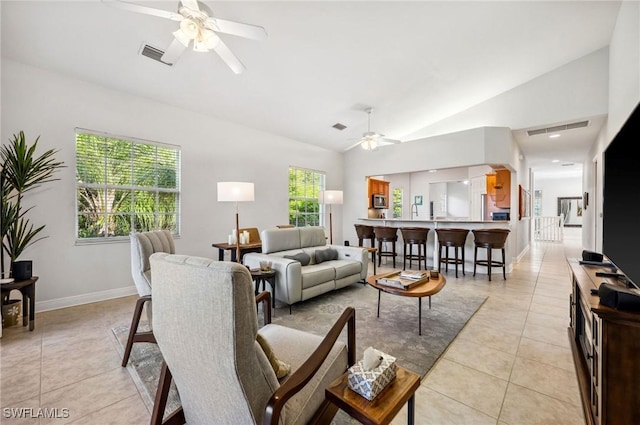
(417,200)
(524,203)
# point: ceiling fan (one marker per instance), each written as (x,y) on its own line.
(199,28)
(371,140)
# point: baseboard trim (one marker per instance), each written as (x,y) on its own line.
(84,299)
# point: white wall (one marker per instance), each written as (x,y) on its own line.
(50,106)
(554,188)
(624,95)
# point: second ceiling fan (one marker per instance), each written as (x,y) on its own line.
(198,28)
(370,140)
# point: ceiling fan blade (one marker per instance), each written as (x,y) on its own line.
(389,141)
(354,145)
(253,32)
(190,4)
(228,57)
(173,53)
(132,7)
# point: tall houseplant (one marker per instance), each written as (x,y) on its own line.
(21,172)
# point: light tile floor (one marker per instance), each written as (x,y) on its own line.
(511,364)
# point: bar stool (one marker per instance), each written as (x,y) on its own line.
(490,239)
(365,232)
(386,234)
(415,236)
(454,238)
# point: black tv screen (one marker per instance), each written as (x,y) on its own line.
(621,199)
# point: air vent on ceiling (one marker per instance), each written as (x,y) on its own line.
(339,126)
(153,53)
(554,129)
(568,164)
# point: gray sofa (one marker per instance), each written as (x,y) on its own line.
(295,282)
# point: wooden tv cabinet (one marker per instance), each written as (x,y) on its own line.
(606,349)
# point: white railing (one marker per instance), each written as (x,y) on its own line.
(548,228)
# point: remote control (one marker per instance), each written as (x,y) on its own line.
(608,274)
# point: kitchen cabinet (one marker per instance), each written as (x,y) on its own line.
(499,188)
(377,187)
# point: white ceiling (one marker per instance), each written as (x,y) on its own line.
(324,62)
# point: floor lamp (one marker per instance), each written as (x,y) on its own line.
(236,192)
(330,197)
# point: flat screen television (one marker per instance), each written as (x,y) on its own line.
(621,200)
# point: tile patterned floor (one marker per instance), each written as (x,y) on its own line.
(511,364)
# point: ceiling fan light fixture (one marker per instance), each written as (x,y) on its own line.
(190,28)
(369,143)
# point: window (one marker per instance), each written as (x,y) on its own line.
(304,185)
(397,203)
(124,185)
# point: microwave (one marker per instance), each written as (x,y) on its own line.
(379,201)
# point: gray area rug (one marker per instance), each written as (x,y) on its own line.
(395,332)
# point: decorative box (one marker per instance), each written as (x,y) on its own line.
(369,383)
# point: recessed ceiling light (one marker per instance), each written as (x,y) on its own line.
(555,160)
(554,136)
(432,171)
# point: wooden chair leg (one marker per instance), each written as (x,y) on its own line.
(504,266)
(160,402)
(134,335)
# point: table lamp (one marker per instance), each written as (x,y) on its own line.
(236,192)
(330,197)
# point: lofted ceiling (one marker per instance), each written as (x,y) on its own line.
(325,62)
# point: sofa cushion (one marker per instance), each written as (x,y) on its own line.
(312,236)
(346,268)
(316,274)
(328,254)
(302,257)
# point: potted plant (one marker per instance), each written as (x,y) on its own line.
(21,172)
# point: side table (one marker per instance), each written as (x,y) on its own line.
(382,409)
(27,288)
(261,276)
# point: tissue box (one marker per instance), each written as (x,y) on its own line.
(369,383)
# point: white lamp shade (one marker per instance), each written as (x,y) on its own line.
(330,197)
(235,192)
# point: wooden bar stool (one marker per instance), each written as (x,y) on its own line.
(365,232)
(454,238)
(386,234)
(490,239)
(415,236)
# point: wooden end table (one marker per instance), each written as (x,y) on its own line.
(382,409)
(261,276)
(249,247)
(27,288)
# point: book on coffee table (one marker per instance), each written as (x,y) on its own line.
(414,274)
(395,280)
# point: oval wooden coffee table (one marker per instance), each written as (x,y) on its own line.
(421,290)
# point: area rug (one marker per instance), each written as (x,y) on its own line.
(395,332)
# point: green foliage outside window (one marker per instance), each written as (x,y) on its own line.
(304,185)
(125,185)
(397,203)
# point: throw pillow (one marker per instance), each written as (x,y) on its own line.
(302,257)
(280,368)
(328,254)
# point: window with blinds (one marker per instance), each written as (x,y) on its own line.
(304,185)
(124,185)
